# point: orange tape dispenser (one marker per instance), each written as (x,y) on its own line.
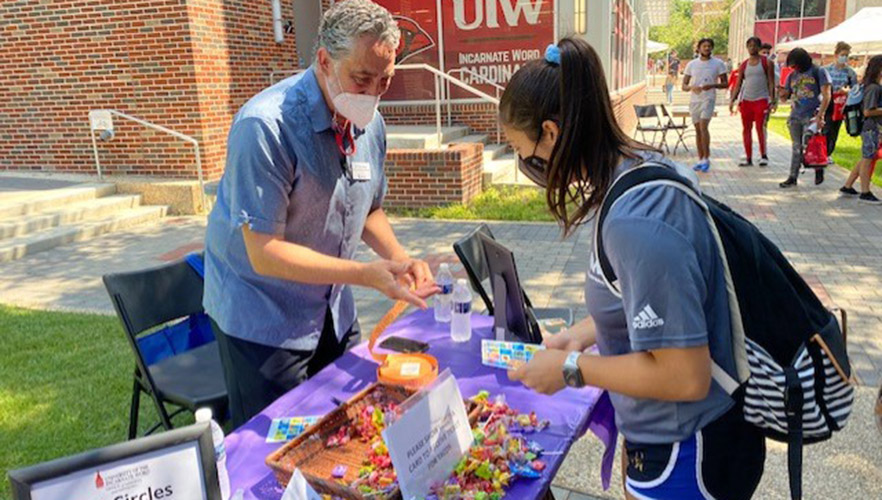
(411,370)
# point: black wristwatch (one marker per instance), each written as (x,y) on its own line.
(571,372)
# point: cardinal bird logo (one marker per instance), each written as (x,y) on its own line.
(99,481)
(414,39)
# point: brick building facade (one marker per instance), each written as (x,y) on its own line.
(189,65)
(184,64)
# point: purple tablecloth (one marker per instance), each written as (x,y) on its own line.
(571,412)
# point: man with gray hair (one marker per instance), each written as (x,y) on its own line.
(304,182)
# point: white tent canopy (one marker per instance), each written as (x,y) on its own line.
(863,31)
(653,46)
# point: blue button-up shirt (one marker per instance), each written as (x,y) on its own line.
(286,176)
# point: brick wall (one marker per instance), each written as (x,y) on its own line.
(836,12)
(426,178)
(623,102)
(480,117)
(62,58)
(184,64)
(234,52)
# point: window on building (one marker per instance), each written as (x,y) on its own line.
(581,15)
(768,9)
(622,44)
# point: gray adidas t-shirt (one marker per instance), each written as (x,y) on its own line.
(673,296)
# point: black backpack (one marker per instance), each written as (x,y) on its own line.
(794,377)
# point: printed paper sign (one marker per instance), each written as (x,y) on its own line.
(429,438)
(286,429)
(169,474)
(507,355)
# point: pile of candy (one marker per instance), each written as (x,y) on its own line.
(499,455)
(376,477)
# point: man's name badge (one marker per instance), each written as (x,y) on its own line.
(361,170)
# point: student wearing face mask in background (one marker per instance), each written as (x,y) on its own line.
(304,184)
(842,78)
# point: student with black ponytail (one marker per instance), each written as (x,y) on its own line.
(661,338)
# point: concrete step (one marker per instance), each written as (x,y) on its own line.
(499,170)
(16,248)
(56,198)
(474,138)
(70,214)
(421,136)
(494,151)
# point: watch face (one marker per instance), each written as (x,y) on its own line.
(571,378)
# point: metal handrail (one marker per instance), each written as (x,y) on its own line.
(160,128)
(496,87)
(439,75)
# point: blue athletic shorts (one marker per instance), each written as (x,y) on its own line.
(723,461)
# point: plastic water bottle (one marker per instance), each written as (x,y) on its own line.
(443,299)
(220,453)
(461,323)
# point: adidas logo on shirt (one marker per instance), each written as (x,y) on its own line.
(647,319)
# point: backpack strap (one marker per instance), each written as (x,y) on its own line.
(651,174)
(793,407)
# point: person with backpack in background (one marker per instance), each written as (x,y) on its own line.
(658,349)
(755,92)
(703,76)
(842,79)
(871,110)
(808,88)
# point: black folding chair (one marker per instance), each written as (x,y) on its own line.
(471,254)
(650,113)
(681,129)
(193,379)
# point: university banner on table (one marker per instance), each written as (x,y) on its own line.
(491,39)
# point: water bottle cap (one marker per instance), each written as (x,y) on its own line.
(445,266)
(203,415)
(461,282)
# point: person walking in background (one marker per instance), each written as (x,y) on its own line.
(766,51)
(755,89)
(808,88)
(842,78)
(674,64)
(703,76)
(669,86)
(872,108)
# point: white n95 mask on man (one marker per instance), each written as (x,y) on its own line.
(357,108)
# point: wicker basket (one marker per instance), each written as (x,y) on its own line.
(308,453)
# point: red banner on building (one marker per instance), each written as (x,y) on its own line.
(483,41)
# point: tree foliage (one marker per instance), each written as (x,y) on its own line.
(682,30)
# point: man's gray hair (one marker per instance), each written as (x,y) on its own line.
(347,20)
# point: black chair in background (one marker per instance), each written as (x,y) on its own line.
(681,129)
(145,300)
(649,113)
(471,254)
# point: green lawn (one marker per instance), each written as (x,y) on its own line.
(514,203)
(848,148)
(65,385)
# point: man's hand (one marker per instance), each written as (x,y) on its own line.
(567,340)
(732,108)
(708,87)
(819,119)
(393,280)
(774,108)
(544,373)
(696,89)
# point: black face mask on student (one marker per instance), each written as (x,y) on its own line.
(535,168)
